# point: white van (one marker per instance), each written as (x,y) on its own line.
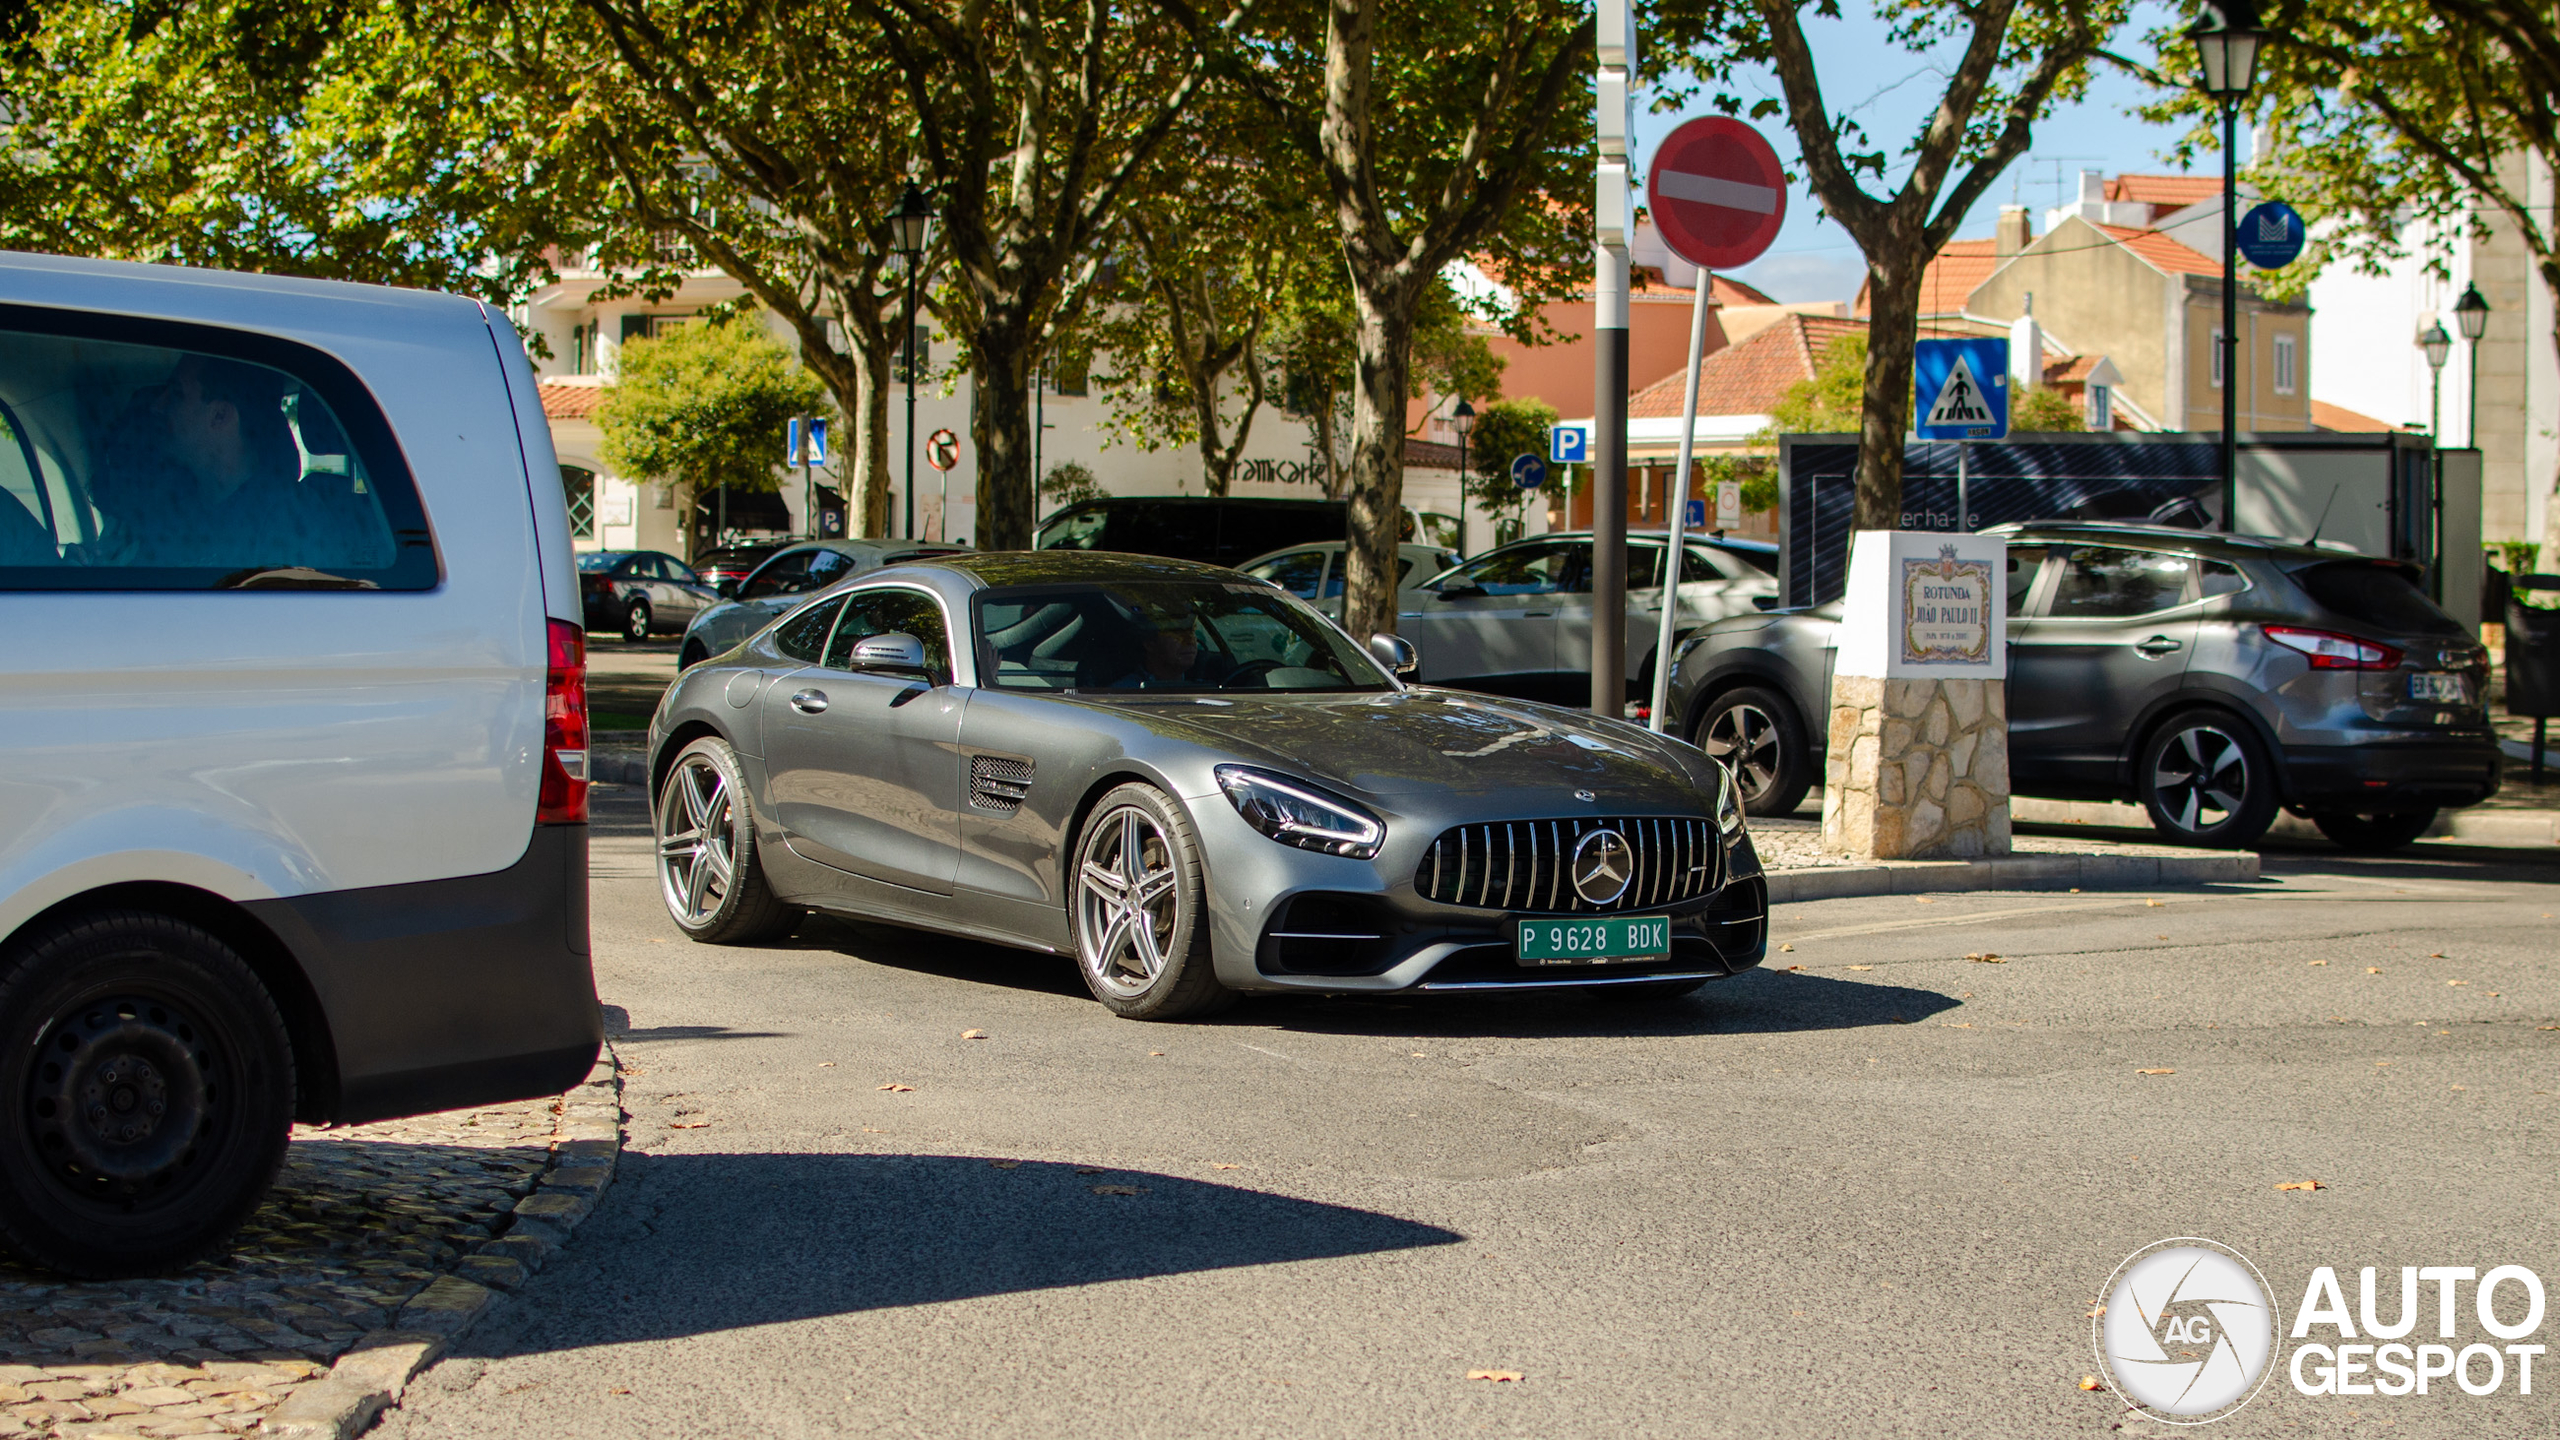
(292,740)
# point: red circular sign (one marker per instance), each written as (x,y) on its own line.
(942,450)
(1718,193)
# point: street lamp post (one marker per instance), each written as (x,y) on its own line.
(910,231)
(2227,39)
(2471,317)
(1462,420)
(2439,348)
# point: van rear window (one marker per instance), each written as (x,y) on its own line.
(2378,595)
(140,455)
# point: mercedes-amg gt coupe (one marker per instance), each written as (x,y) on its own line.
(1192,783)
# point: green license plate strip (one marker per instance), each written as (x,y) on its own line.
(1595,940)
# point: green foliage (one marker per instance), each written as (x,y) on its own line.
(706,406)
(1505,430)
(2044,410)
(1830,402)
(1757,474)
(2516,557)
(1068,483)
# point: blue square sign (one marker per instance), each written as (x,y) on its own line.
(1569,444)
(1960,389)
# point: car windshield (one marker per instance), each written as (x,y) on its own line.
(599,560)
(1182,636)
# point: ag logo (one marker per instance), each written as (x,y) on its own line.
(2188,1332)
(1604,864)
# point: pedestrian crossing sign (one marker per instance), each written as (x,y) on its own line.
(1961,389)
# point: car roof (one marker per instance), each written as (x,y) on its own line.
(996,568)
(2200,541)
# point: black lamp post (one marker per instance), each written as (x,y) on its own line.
(1462,420)
(2471,317)
(2227,40)
(2439,348)
(910,231)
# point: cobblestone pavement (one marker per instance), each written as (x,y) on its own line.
(361,1222)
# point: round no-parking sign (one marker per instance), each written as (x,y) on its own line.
(1718,192)
(942,450)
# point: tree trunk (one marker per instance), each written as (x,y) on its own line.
(1000,434)
(871,446)
(1884,413)
(1376,482)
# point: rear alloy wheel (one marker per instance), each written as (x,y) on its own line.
(1141,917)
(2373,832)
(635,622)
(709,872)
(1755,734)
(2207,781)
(146,1092)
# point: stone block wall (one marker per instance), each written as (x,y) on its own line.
(1917,769)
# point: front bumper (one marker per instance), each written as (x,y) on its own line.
(2386,775)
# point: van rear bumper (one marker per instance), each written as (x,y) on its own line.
(449,993)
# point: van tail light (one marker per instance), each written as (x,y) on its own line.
(564,728)
(2330,650)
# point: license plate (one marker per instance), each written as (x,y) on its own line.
(1596,941)
(2439,686)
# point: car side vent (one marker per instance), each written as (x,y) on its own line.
(998,785)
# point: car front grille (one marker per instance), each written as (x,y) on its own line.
(1527,864)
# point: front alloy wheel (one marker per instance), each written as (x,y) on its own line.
(1142,939)
(2207,781)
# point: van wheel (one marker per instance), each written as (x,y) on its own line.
(710,873)
(1756,735)
(148,1087)
(2207,781)
(635,622)
(2373,832)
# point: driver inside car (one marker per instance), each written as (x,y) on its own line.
(1169,654)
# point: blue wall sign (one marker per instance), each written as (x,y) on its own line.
(1528,471)
(1569,444)
(1960,389)
(2272,235)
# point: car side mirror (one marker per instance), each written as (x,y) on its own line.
(1764,602)
(1397,654)
(896,652)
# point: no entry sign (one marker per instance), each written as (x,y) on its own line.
(1719,193)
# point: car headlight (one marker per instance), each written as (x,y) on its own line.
(1295,813)
(1728,804)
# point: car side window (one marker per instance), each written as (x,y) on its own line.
(826,567)
(803,637)
(1698,566)
(2218,578)
(146,455)
(892,611)
(1529,570)
(782,575)
(2103,582)
(1300,572)
(2025,563)
(1337,580)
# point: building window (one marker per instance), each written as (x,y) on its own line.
(2217,357)
(2102,407)
(2284,365)
(652,327)
(578,486)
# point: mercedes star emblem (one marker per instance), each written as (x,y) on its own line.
(1603,865)
(1584,796)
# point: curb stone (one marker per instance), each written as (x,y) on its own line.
(371,1378)
(2013,872)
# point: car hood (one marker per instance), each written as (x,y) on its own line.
(1433,741)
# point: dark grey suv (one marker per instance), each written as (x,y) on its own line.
(2212,678)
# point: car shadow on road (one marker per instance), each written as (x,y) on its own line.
(692,1244)
(1756,1002)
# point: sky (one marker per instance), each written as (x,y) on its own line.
(1889,90)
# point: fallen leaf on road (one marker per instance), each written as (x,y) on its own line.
(2461,1087)
(2457,982)
(894,1085)
(619,1390)
(1950,1025)
(1862,967)
(1499,1377)
(973,1034)
(1119,1190)
(1216,1165)
(1006,1164)
(2373,969)
(826,1064)
(2435,954)
(1925,900)
(2095,1311)
(2155,1072)
(2091,1382)
(1787,949)
(2317,962)
(688,1124)
(2154,904)
(2381,1062)
(1795,967)
(1987,959)
(873,1130)
(2302,1185)
(2547,1027)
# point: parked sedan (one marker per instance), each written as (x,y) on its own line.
(1193,785)
(2212,678)
(1314,573)
(723,569)
(640,593)
(1516,620)
(784,580)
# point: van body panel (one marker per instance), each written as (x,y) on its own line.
(559,565)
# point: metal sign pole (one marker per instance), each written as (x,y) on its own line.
(1964,477)
(1672,554)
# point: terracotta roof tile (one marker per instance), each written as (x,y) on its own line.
(2071,370)
(2164,192)
(2162,252)
(571,400)
(2325,416)
(1748,378)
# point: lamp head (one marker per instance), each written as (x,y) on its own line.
(2437,344)
(911,224)
(2471,313)
(1463,419)
(2227,41)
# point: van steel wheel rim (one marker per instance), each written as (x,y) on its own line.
(2201,777)
(1128,901)
(697,841)
(119,1098)
(1745,738)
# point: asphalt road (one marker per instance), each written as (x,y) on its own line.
(1876,1195)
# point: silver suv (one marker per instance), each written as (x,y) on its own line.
(2212,678)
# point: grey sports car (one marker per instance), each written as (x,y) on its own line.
(1192,783)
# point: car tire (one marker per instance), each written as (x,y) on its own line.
(1139,907)
(635,621)
(148,1093)
(2373,832)
(691,655)
(1756,734)
(710,869)
(2207,780)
